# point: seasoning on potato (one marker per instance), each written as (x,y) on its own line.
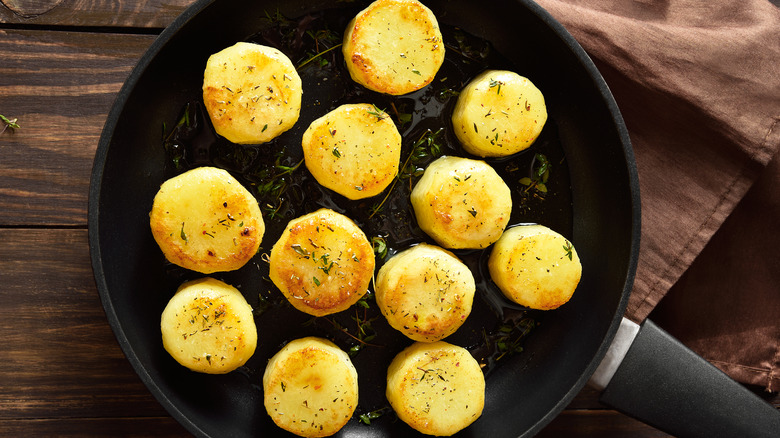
(310,387)
(208,327)
(322,263)
(436,388)
(252,93)
(353,150)
(206,221)
(462,203)
(499,113)
(425,292)
(393,46)
(535,266)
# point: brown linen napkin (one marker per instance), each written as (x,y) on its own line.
(726,306)
(698,83)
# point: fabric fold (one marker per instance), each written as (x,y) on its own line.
(698,84)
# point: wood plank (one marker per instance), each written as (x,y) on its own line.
(94,427)
(60,87)
(60,357)
(140,14)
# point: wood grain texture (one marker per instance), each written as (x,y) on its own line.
(60,87)
(136,14)
(61,358)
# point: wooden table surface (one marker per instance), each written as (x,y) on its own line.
(63,374)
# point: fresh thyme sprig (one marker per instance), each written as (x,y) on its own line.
(373,415)
(379,245)
(509,337)
(568,248)
(540,174)
(8,123)
(426,147)
(378,113)
(317,56)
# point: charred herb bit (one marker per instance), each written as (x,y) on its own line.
(8,123)
(540,174)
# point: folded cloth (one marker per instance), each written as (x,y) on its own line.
(698,84)
(726,306)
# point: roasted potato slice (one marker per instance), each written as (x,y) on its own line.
(206,221)
(310,387)
(393,46)
(425,292)
(499,113)
(436,388)
(535,266)
(462,203)
(252,93)
(208,327)
(353,150)
(322,263)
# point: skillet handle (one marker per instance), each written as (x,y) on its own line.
(666,385)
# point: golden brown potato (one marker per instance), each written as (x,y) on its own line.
(208,327)
(252,93)
(353,150)
(534,266)
(322,263)
(206,221)
(310,387)
(462,203)
(499,113)
(393,46)
(425,292)
(436,388)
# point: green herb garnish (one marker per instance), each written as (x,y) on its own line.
(540,174)
(379,246)
(568,248)
(427,147)
(8,123)
(378,113)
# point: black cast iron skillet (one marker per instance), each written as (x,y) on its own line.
(593,199)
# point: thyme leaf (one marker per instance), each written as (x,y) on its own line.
(8,123)
(568,248)
(427,147)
